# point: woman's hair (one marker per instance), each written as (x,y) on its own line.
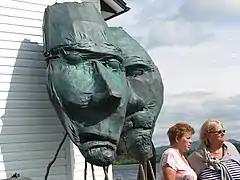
(178,130)
(208,126)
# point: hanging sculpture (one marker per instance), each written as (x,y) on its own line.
(146,96)
(101,82)
(145,101)
(85,79)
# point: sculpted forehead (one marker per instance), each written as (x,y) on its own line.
(135,57)
(132,51)
(142,74)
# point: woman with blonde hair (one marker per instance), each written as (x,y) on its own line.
(173,164)
(216,158)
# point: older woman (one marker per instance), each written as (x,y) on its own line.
(173,164)
(216,158)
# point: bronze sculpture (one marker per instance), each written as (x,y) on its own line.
(101,82)
(85,79)
(145,102)
(146,95)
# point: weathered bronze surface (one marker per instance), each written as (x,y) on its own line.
(146,95)
(101,82)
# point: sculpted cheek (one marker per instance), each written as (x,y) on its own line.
(146,95)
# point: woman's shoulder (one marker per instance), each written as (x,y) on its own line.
(194,156)
(229,145)
(169,155)
(232,150)
(170,158)
(196,162)
(169,152)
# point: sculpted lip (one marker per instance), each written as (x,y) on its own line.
(97,144)
(100,153)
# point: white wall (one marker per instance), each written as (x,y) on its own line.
(29,129)
(95,2)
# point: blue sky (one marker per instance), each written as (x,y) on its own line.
(196,46)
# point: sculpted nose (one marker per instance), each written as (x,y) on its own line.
(136,103)
(110,81)
(97,87)
(106,84)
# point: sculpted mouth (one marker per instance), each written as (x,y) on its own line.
(99,153)
(98,149)
(88,146)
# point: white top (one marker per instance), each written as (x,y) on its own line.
(173,159)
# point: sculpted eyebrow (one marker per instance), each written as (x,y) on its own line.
(108,57)
(138,65)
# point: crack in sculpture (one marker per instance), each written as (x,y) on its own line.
(101,82)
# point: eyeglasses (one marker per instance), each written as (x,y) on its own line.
(223,131)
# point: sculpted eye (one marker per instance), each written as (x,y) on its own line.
(115,64)
(135,72)
(136,69)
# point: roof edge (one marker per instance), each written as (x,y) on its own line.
(122,4)
(117,14)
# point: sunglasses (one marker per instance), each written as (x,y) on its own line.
(219,132)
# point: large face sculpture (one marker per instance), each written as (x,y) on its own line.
(146,96)
(86,80)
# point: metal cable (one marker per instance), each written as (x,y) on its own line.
(105,169)
(85,171)
(93,175)
(55,157)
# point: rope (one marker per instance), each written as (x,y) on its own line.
(142,171)
(105,169)
(151,169)
(143,167)
(85,171)
(93,175)
(145,170)
(55,157)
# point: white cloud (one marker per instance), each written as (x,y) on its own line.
(211,66)
(153,24)
(175,32)
(195,44)
(195,110)
(159,9)
(174,22)
(210,10)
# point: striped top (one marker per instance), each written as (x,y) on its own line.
(232,167)
(230,160)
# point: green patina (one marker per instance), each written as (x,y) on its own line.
(102,83)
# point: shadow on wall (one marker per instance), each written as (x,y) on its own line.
(30,132)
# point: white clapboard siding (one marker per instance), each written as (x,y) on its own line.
(78,169)
(15,45)
(30,131)
(25,6)
(20,13)
(8,36)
